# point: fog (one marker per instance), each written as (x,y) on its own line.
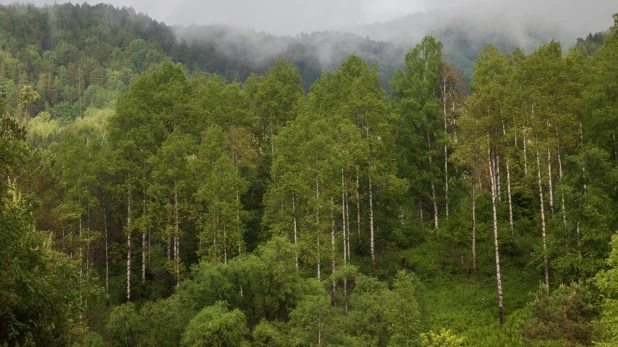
(319,34)
(290,17)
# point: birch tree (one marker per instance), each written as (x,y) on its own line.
(484,111)
(417,92)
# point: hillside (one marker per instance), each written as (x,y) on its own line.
(78,56)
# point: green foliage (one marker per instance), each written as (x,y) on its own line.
(606,281)
(216,326)
(315,321)
(43,292)
(216,203)
(124,324)
(27,95)
(92,339)
(406,314)
(444,338)
(560,317)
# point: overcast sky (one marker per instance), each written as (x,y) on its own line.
(294,16)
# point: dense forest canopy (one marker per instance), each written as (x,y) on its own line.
(205,186)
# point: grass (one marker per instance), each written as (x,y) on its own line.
(467,303)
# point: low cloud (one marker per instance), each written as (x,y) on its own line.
(290,17)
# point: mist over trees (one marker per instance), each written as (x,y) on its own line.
(213,186)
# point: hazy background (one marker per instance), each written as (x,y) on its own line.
(290,17)
(244,36)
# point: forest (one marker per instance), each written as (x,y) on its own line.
(160,191)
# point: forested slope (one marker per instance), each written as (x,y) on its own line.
(144,203)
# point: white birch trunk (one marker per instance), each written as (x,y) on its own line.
(562,204)
(347,226)
(497,176)
(495,229)
(551,189)
(295,231)
(371,235)
(358,211)
(508,186)
(176,235)
(473,225)
(224,243)
(333,255)
(523,131)
(169,248)
(317,221)
(435,205)
(433,188)
(579,245)
(129,245)
(615,147)
(106,252)
(81,247)
(343,218)
(345,295)
(87,238)
(144,245)
(545,261)
(445,158)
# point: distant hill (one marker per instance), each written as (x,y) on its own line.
(78,56)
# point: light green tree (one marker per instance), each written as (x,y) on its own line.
(216,326)
(607,282)
(443,338)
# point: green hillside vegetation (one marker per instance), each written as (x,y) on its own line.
(159,193)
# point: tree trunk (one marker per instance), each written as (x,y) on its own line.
(343,218)
(345,295)
(433,188)
(347,226)
(216,225)
(272,137)
(434,199)
(615,147)
(358,211)
(106,252)
(333,254)
(550,185)
(445,168)
(295,231)
(562,204)
(320,324)
(508,187)
(473,224)
(523,130)
(224,243)
(87,238)
(445,116)
(81,247)
(545,261)
(371,235)
(495,228)
(169,248)
(317,220)
(144,245)
(497,177)
(129,245)
(176,235)
(579,243)
(241,236)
